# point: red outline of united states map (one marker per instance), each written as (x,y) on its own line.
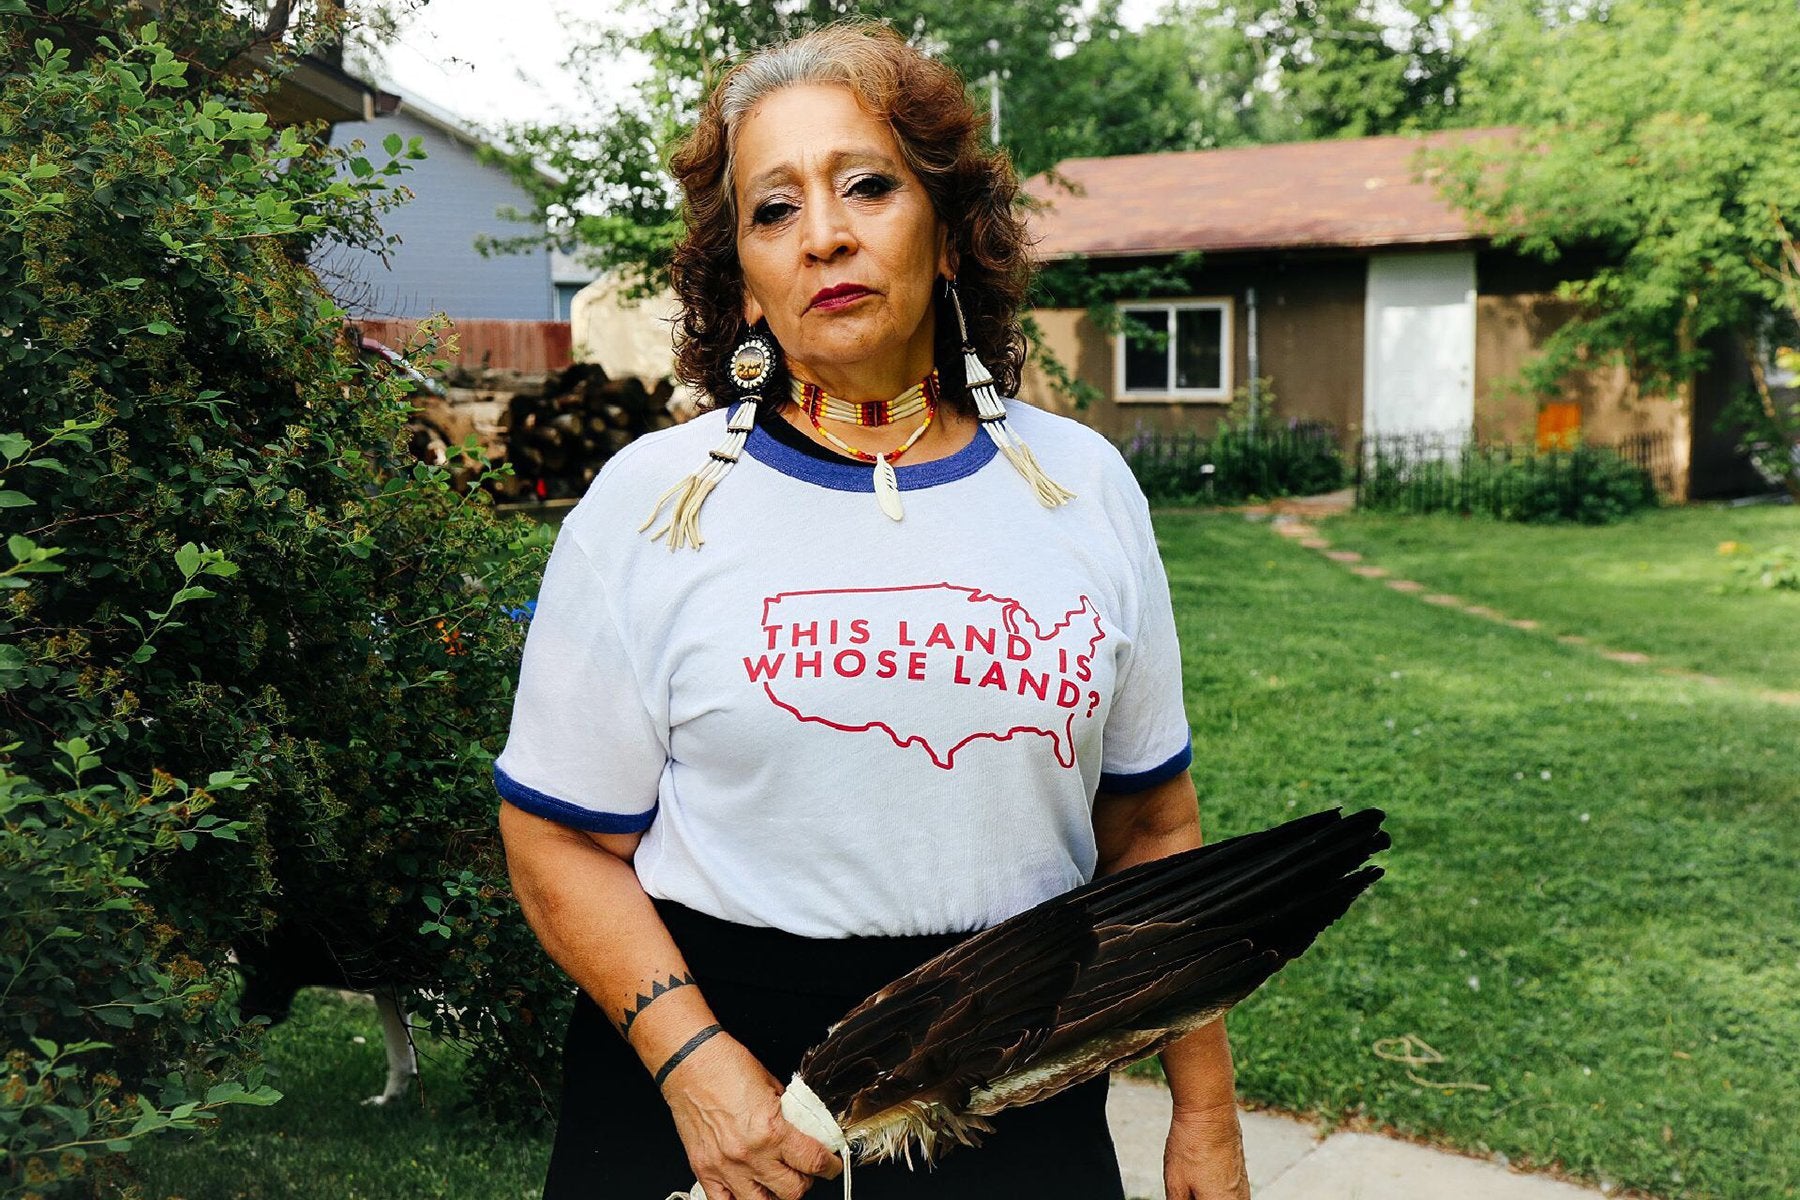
(1016,620)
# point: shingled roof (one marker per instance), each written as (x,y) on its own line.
(1351,192)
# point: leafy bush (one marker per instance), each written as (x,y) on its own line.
(1591,485)
(1236,463)
(82,946)
(1777,568)
(225,566)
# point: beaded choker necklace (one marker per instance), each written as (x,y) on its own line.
(914,400)
(815,402)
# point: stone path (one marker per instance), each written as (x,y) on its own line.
(1289,519)
(1289,1160)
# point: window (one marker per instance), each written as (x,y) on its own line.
(1186,354)
(565,299)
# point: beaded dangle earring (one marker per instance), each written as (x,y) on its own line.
(992,411)
(751,365)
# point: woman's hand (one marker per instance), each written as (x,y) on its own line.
(727,1110)
(1204,1158)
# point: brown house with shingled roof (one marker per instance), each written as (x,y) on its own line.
(1334,272)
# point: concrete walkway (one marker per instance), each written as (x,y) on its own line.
(1288,1160)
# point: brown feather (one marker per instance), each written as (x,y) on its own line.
(1086,982)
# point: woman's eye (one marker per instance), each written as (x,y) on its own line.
(771,213)
(872,185)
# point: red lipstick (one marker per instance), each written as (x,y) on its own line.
(839,295)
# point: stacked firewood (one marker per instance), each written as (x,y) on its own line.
(554,429)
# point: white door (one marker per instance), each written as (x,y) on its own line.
(1419,345)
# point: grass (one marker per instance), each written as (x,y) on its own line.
(321,1143)
(1656,583)
(1592,906)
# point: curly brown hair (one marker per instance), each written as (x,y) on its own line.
(973,189)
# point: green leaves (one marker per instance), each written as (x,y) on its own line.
(28,558)
(188,560)
(191,560)
(1673,184)
(80,756)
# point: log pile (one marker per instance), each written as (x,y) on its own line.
(556,429)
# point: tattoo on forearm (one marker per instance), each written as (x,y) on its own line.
(658,990)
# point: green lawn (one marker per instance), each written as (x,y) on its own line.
(1656,583)
(1593,901)
(321,1143)
(1592,905)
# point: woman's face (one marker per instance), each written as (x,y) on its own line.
(839,243)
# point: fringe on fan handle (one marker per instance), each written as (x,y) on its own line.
(807,1113)
(992,411)
(683,525)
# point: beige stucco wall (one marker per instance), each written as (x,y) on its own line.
(1509,331)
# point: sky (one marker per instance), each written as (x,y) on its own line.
(457,57)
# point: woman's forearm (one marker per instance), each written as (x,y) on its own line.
(586,906)
(1138,828)
(582,898)
(1200,1071)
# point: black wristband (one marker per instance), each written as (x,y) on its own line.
(687,1048)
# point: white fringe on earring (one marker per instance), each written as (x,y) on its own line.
(992,411)
(683,525)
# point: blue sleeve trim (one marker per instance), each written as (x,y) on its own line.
(561,811)
(1137,781)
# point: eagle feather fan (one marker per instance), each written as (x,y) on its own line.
(1080,985)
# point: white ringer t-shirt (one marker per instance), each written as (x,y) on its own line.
(836,724)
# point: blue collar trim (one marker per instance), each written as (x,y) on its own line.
(848,477)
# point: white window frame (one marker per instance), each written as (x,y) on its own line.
(1227,350)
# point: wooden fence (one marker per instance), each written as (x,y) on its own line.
(481,342)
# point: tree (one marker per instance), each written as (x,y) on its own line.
(1653,132)
(1169,86)
(1237,98)
(1354,68)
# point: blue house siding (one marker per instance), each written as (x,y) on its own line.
(435,268)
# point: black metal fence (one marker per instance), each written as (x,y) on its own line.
(1451,472)
(1288,459)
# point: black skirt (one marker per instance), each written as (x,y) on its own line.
(777,994)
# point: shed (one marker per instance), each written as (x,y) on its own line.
(1336,285)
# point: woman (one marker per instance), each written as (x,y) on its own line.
(918,678)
